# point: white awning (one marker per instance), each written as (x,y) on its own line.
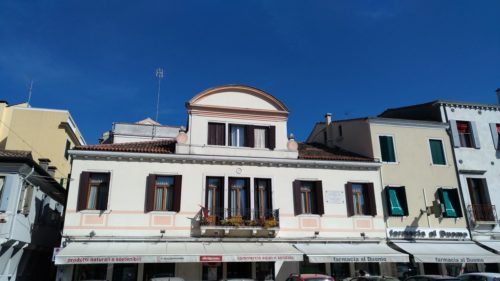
(351,252)
(448,252)
(175,252)
(494,245)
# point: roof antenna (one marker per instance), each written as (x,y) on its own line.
(159,75)
(30,87)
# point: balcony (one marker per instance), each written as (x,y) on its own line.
(239,223)
(482,214)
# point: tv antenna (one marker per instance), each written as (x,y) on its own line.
(30,87)
(159,75)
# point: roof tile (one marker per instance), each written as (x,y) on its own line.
(158,146)
(315,151)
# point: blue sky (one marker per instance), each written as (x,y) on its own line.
(351,58)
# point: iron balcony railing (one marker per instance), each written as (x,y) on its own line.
(240,217)
(482,212)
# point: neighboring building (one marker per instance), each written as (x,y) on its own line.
(31,208)
(47,133)
(232,197)
(422,201)
(474,132)
(143,130)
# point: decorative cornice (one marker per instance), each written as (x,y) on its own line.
(223,160)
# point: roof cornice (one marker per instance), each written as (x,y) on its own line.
(224,160)
(407,122)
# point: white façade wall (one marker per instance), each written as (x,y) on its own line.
(486,158)
(126,217)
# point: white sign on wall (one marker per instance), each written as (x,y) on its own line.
(335,197)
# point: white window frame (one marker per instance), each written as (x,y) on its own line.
(444,152)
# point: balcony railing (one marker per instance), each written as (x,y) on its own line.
(482,213)
(240,218)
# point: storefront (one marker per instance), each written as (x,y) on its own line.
(447,257)
(137,261)
(343,260)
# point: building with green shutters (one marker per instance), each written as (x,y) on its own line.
(423,209)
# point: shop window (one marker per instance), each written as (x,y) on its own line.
(340,271)
(396,201)
(239,197)
(216,134)
(450,203)
(164,193)
(264,271)
(90,272)
(239,270)
(158,270)
(308,197)
(212,272)
(93,192)
(263,198)
(387,149)
(124,272)
(360,199)
(437,152)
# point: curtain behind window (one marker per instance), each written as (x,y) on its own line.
(260,137)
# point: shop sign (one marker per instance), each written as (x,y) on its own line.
(266,258)
(85,260)
(427,233)
(458,260)
(210,258)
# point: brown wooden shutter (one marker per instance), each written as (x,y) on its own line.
(250,136)
(105,193)
(150,193)
(296,198)
(211,134)
(83,191)
(206,192)
(229,198)
(272,137)
(348,199)
(221,134)
(319,198)
(372,208)
(177,193)
(269,191)
(221,198)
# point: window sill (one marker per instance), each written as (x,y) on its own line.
(363,216)
(390,163)
(439,165)
(99,212)
(162,212)
(309,215)
(238,147)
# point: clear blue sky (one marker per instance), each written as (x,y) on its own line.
(351,58)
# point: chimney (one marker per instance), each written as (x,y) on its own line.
(328,118)
(44,163)
(498,95)
(52,171)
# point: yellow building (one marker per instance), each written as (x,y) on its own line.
(47,133)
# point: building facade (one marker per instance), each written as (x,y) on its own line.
(47,133)
(232,197)
(423,206)
(31,210)
(474,131)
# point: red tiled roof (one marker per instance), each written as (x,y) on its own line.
(314,151)
(159,146)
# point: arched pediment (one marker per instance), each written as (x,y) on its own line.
(237,97)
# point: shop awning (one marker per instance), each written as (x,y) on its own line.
(175,252)
(351,252)
(448,252)
(494,245)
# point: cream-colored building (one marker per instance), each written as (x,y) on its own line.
(47,133)
(423,205)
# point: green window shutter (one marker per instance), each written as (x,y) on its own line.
(387,149)
(437,152)
(395,208)
(449,211)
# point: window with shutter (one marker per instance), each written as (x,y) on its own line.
(93,193)
(450,203)
(216,134)
(437,152)
(465,133)
(361,199)
(308,197)
(396,201)
(387,149)
(214,199)
(263,198)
